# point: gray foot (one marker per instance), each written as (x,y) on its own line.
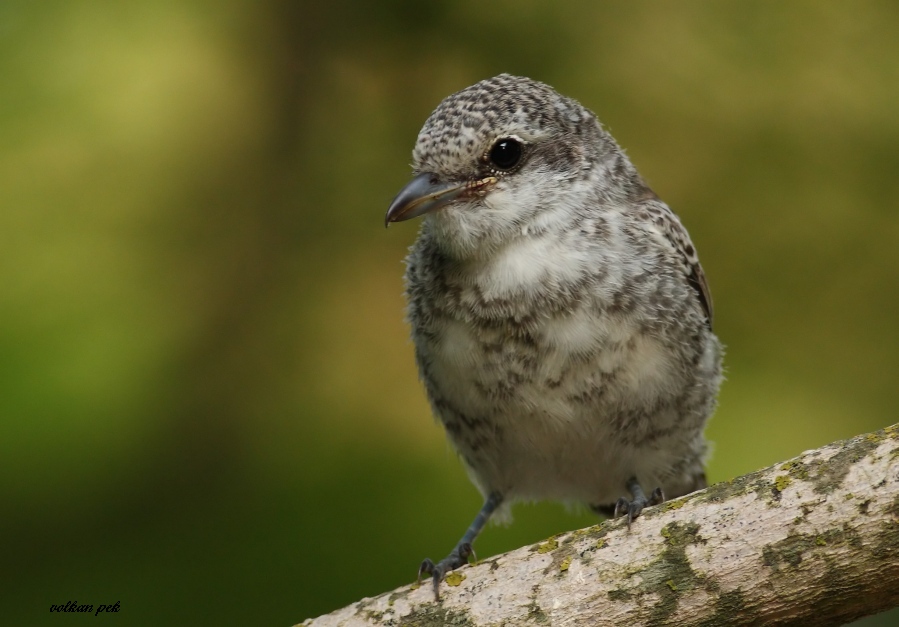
(458,557)
(634,508)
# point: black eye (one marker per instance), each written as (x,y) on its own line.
(506,153)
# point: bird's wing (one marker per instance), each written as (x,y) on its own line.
(698,282)
(672,229)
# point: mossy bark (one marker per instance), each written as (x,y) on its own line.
(811,541)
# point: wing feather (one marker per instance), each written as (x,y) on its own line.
(670,226)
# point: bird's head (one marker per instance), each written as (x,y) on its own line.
(504,157)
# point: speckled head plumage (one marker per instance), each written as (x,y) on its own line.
(468,123)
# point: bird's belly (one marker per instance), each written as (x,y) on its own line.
(562,412)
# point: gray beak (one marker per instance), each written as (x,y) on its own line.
(421,196)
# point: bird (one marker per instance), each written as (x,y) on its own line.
(561,321)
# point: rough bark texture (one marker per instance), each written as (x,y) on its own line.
(811,541)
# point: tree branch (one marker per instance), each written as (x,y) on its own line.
(812,541)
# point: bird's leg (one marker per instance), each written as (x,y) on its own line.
(634,507)
(459,555)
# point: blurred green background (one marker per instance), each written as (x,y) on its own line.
(209,410)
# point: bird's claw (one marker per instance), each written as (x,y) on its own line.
(635,507)
(458,557)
